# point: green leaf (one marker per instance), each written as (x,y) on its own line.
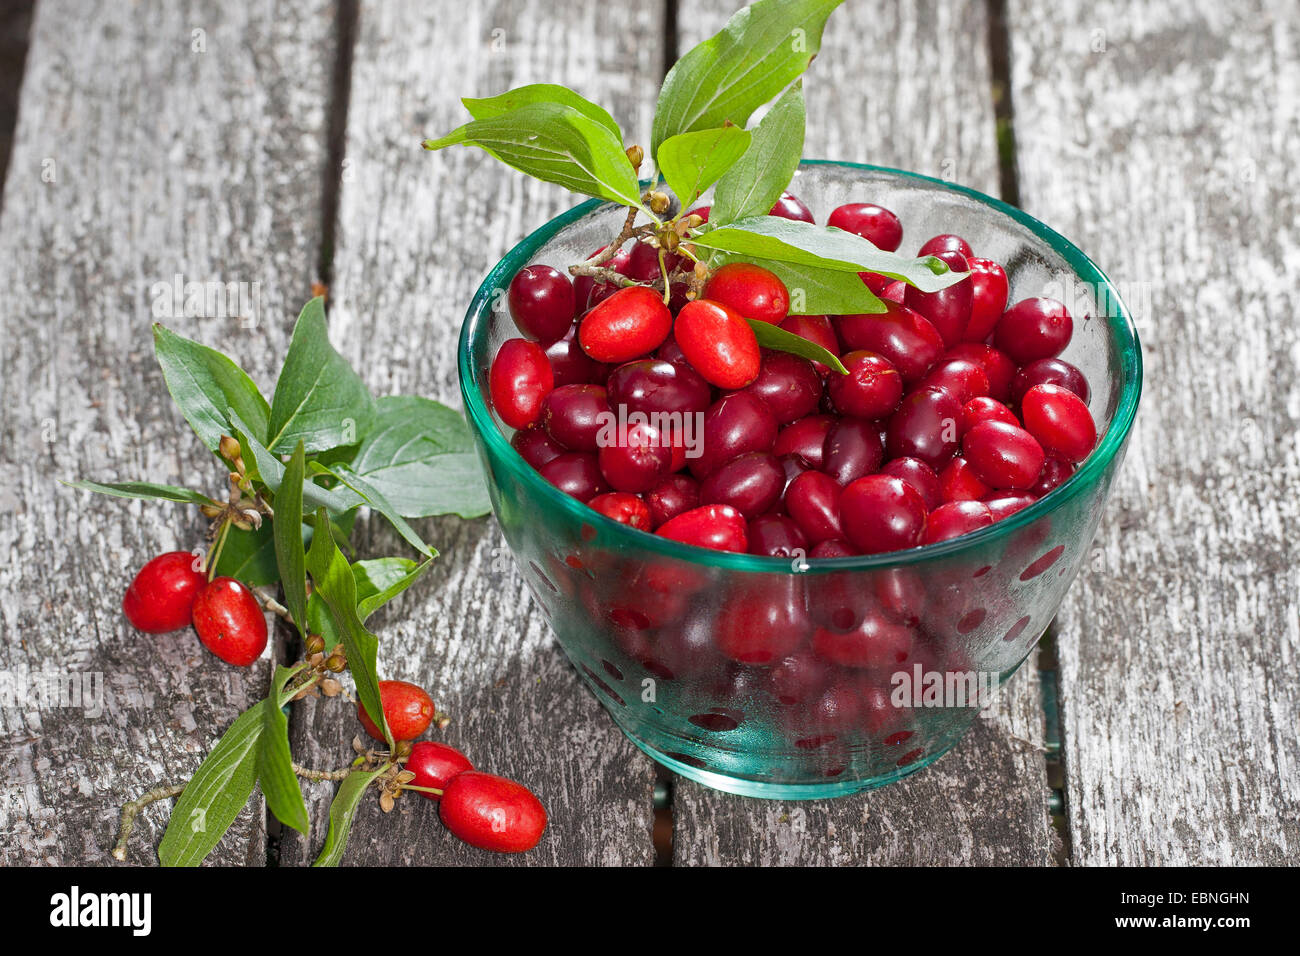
(275,763)
(774,337)
(761,50)
(419,455)
(142,489)
(342,810)
(376,500)
(753,185)
(269,470)
(215,794)
(815,291)
(556,143)
(249,556)
(204,383)
(692,162)
(511,100)
(382,579)
(336,585)
(319,400)
(290,557)
(378,581)
(822,247)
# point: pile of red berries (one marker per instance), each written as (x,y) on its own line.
(955,413)
(484,810)
(173,590)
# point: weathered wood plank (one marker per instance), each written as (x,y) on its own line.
(904,85)
(417,232)
(153,139)
(1162,138)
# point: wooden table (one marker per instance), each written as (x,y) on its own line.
(276,143)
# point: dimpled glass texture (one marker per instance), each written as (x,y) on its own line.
(639,615)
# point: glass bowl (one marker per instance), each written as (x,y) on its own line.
(640,616)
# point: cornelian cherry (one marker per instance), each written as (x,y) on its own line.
(491,812)
(718,343)
(882,513)
(876,224)
(1060,421)
(956,518)
(161,596)
(541,302)
(434,765)
(1003,456)
(625,508)
(871,389)
(519,381)
(988,283)
(982,408)
(229,621)
(1033,329)
(632,322)
(817,329)
(720,527)
(750,290)
(948,309)
(407,707)
(790,206)
(907,339)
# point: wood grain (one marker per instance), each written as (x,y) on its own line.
(1162,138)
(153,139)
(905,85)
(417,232)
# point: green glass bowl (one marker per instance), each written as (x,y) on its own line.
(638,614)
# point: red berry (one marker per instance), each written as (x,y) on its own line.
(519,381)
(576,473)
(813,500)
(1050,371)
(230,622)
(643,263)
(790,206)
(908,340)
(1054,473)
(1060,421)
(805,438)
(988,282)
(949,309)
(882,513)
(672,496)
(587,292)
(853,449)
(759,625)
(958,482)
(998,367)
(963,378)
(541,302)
(574,416)
(818,330)
(789,385)
(872,389)
(535,446)
(981,408)
(751,290)
(945,242)
(920,476)
(657,386)
(956,518)
(876,224)
(434,765)
(873,642)
(492,813)
(832,548)
(720,527)
(630,323)
(161,597)
(624,508)
(1002,455)
(1004,506)
(718,343)
(776,536)
(925,427)
(895,291)
(637,462)
(750,483)
(407,708)
(570,365)
(1033,329)
(733,425)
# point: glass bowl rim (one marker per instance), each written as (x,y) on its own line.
(1120,325)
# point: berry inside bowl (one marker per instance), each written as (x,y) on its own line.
(817,671)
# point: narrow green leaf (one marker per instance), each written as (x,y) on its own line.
(334,582)
(815,291)
(555,143)
(692,162)
(761,50)
(249,556)
(290,556)
(204,383)
(511,100)
(420,456)
(375,499)
(319,400)
(269,470)
(378,581)
(142,489)
(753,185)
(774,337)
(215,794)
(822,247)
(275,763)
(342,810)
